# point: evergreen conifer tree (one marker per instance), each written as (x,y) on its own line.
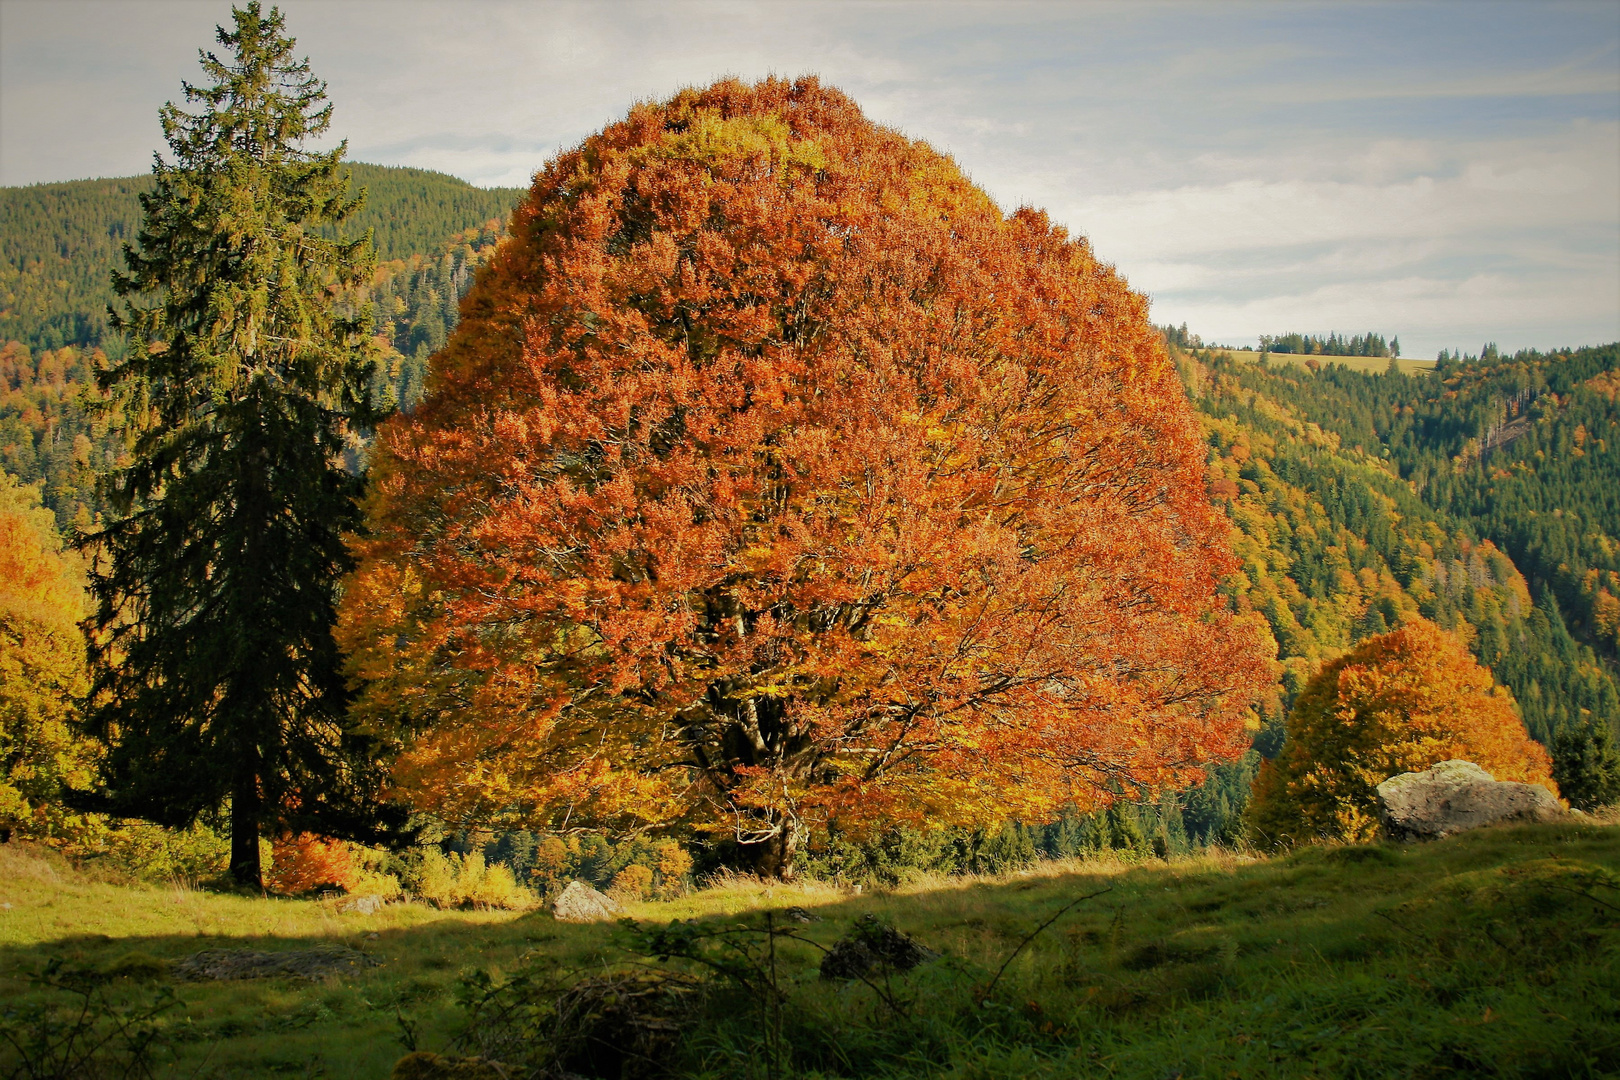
(217,679)
(1586,764)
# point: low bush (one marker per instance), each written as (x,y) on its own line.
(452,880)
(305,863)
(634,882)
(79,1032)
(154,853)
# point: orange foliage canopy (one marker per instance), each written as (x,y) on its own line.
(1398,702)
(303,862)
(773,474)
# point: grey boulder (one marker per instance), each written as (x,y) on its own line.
(581,903)
(1455,796)
(362,905)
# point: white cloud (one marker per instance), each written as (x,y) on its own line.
(1428,313)
(1255,167)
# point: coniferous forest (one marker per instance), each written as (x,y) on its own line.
(733,513)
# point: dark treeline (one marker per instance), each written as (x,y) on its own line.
(59,243)
(1180,337)
(1332,345)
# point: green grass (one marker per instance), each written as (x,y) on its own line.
(1493,953)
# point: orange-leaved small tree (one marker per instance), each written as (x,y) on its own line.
(1398,702)
(303,862)
(773,475)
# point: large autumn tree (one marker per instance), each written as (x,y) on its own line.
(217,680)
(773,474)
(1399,702)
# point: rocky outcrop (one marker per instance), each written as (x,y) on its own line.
(314,964)
(1455,796)
(581,903)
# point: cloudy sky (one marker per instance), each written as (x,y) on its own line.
(1446,172)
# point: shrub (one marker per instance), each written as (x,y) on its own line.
(465,881)
(154,852)
(304,863)
(634,882)
(1399,702)
(1586,764)
(79,1031)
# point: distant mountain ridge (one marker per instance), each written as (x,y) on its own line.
(60,242)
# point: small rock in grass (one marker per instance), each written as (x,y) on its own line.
(362,905)
(581,903)
(1455,796)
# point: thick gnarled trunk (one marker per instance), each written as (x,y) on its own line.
(774,858)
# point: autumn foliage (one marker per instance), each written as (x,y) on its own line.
(1398,702)
(303,862)
(42,667)
(773,475)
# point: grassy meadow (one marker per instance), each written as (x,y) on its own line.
(1370,365)
(1495,953)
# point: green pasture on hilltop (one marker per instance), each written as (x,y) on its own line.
(1496,953)
(1367,365)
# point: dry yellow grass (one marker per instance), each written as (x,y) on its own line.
(1368,364)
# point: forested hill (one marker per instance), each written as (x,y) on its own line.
(1372,492)
(59,243)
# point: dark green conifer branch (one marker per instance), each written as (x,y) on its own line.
(248,372)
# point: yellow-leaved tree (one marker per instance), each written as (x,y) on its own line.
(42,672)
(1398,702)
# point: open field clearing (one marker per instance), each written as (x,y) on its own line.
(1366,364)
(1494,953)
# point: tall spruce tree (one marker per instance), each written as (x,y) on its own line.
(217,680)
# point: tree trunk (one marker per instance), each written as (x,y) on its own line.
(775,859)
(245,830)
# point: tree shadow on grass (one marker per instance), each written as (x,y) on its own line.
(1462,946)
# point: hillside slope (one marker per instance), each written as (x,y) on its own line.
(1441,474)
(59,243)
